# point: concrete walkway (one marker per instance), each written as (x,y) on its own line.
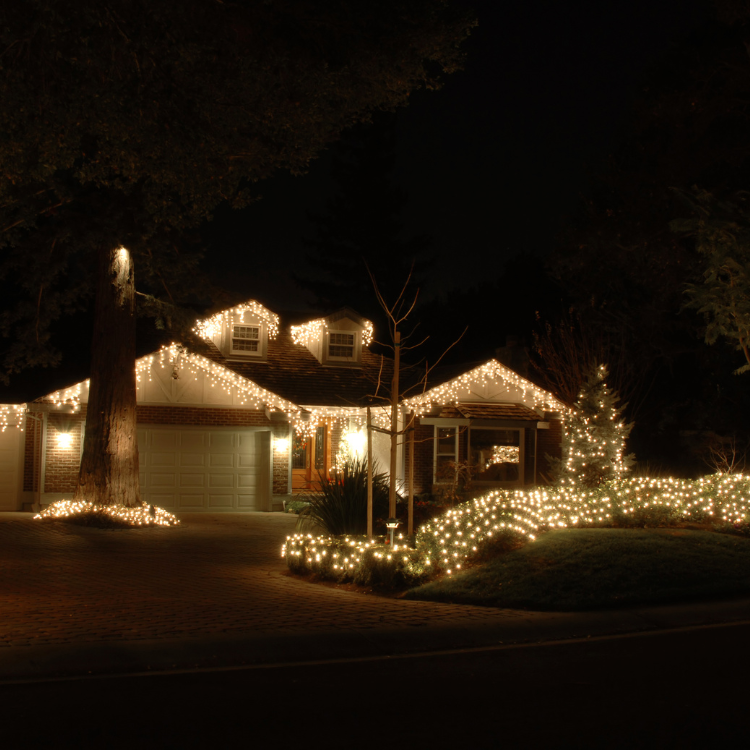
(214,592)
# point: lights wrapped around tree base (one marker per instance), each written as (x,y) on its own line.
(448,541)
(108,515)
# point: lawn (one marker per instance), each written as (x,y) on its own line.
(597,568)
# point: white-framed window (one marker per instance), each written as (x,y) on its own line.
(245,339)
(342,345)
(446,452)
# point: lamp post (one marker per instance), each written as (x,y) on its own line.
(392,524)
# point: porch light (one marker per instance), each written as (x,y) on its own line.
(356,442)
(281,444)
(392,524)
(64,440)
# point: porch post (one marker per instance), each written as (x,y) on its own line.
(411,474)
(369,474)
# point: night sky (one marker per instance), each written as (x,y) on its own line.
(494,162)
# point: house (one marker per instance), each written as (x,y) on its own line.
(251,412)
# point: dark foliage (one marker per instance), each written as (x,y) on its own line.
(341,505)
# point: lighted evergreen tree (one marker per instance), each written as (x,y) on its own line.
(594,435)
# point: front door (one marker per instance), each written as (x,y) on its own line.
(310,460)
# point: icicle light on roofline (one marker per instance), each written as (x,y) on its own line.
(65,396)
(311,331)
(490,373)
(178,358)
(11,416)
(305,422)
(210,327)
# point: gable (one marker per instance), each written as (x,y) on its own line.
(490,383)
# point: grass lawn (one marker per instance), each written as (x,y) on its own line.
(580,569)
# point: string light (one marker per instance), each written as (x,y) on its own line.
(208,328)
(142,515)
(508,454)
(449,540)
(490,373)
(11,415)
(177,358)
(312,331)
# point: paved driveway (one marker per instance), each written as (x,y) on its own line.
(214,574)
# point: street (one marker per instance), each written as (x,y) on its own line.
(679,689)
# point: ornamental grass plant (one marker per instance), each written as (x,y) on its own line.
(340,506)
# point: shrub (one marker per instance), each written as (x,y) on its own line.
(295,506)
(357,559)
(341,505)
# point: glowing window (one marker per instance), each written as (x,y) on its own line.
(495,454)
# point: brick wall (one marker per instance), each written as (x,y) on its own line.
(281,436)
(63,459)
(549,442)
(199,417)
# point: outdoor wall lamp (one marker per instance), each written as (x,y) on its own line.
(281,444)
(64,440)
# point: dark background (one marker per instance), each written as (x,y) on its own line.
(494,163)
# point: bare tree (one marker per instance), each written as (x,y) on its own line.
(397,314)
(567,350)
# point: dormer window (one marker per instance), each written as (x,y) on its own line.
(340,345)
(336,341)
(245,340)
(242,332)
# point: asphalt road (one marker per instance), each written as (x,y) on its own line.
(678,689)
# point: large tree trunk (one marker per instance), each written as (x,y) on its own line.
(109,466)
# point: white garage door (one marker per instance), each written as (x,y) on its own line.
(205,470)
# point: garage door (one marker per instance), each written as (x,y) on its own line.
(205,470)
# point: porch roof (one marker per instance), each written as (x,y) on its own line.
(473,411)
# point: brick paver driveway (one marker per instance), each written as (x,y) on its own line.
(214,574)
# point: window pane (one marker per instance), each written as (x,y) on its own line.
(341,345)
(299,452)
(245,338)
(446,441)
(495,455)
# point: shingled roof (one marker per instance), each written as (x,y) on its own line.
(292,372)
(491,411)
